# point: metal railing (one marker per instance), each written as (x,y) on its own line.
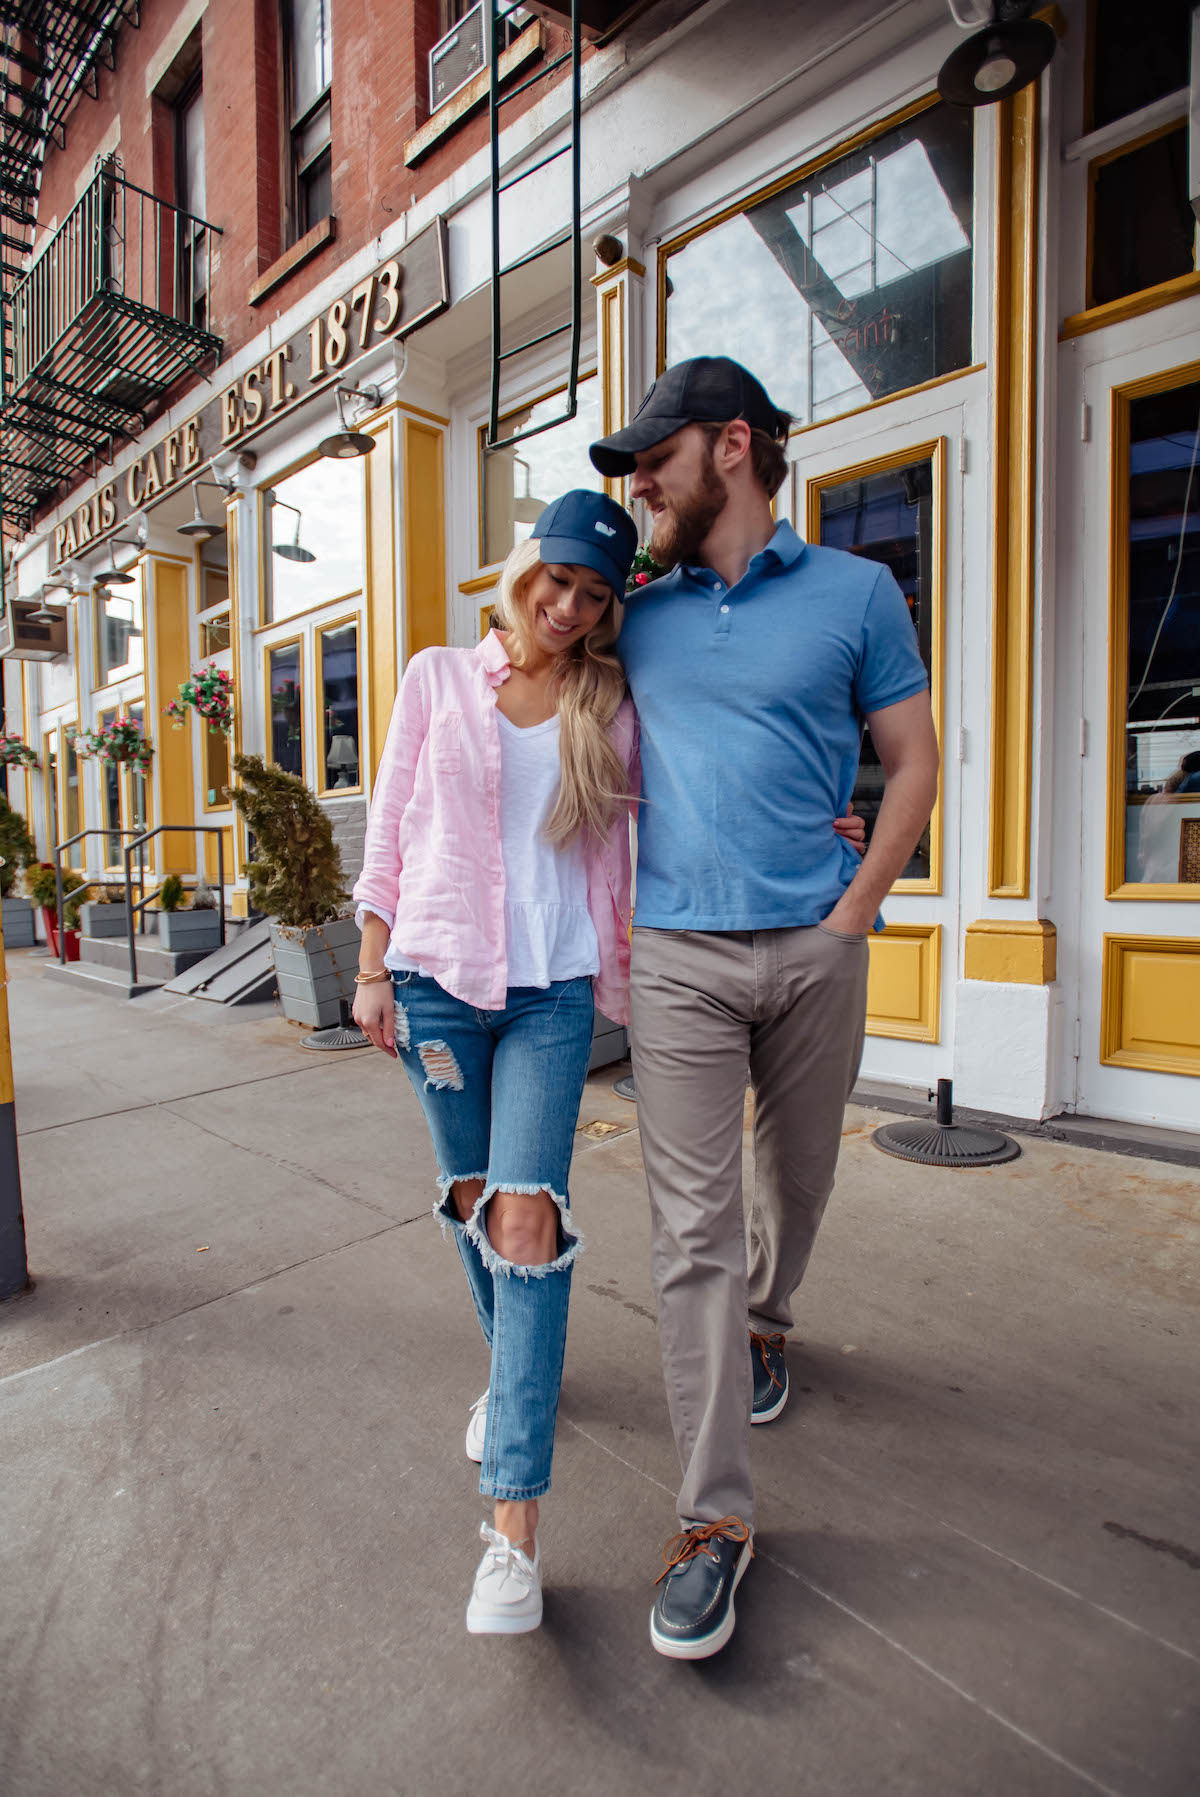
(139,843)
(118,241)
(137,907)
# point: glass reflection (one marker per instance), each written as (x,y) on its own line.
(339,705)
(1162,713)
(287,730)
(888,517)
(847,286)
(518,483)
(119,639)
(329,495)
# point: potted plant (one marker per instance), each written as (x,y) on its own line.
(296,879)
(15,753)
(18,850)
(182,931)
(121,740)
(41,883)
(104,915)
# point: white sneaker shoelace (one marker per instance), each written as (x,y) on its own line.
(477,1427)
(507,1597)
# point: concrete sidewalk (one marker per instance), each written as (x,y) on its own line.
(238,1530)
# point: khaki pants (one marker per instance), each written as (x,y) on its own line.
(789,1005)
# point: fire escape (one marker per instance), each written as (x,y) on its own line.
(96,331)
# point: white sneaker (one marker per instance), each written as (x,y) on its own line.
(477,1428)
(507,1599)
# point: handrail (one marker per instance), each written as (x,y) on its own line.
(68,843)
(139,843)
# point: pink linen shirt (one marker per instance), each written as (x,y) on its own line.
(433,856)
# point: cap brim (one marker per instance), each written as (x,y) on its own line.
(581,552)
(614,456)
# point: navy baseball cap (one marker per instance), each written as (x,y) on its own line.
(704,390)
(589,530)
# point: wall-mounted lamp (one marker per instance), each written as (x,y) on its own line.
(113,576)
(198,526)
(1009,53)
(293,551)
(346,443)
(527,507)
(43,614)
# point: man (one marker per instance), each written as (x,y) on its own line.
(753,665)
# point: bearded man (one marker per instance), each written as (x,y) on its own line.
(754,665)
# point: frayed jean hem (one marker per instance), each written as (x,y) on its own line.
(444,1210)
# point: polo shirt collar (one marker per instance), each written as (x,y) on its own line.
(494,657)
(784,549)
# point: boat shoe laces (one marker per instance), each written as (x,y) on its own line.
(683,1548)
(762,1343)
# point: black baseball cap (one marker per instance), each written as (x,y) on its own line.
(589,530)
(704,390)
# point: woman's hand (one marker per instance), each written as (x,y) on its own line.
(374,1012)
(852,828)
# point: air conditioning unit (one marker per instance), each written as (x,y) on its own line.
(23,640)
(456,57)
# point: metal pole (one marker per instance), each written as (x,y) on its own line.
(59,908)
(128,853)
(14,1267)
(221,880)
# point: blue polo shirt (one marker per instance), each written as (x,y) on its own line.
(751,700)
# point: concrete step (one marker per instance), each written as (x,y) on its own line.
(92,976)
(154,963)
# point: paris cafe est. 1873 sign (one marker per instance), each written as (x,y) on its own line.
(391,301)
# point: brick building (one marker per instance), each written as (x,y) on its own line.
(985,320)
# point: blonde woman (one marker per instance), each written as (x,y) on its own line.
(493,902)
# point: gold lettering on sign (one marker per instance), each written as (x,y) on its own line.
(191,444)
(94,513)
(60,537)
(231,421)
(171,457)
(281,388)
(133,484)
(83,526)
(108,506)
(153,477)
(252,399)
(69,543)
(389,280)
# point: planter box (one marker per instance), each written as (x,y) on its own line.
(102,920)
(314,970)
(18,923)
(70,937)
(184,931)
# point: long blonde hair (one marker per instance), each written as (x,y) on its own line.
(588,684)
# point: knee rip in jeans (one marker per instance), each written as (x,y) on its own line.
(571,1243)
(442,1071)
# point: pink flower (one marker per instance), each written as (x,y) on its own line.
(641,580)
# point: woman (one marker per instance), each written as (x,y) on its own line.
(494,896)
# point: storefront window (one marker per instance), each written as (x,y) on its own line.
(74,794)
(846,286)
(110,800)
(138,789)
(120,645)
(1139,54)
(889,517)
(1143,227)
(216,768)
(214,634)
(329,497)
(50,776)
(286,707)
(518,483)
(1162,708)
(338,651)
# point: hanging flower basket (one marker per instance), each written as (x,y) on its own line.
(121,741)
(15,753)
(209,693)
(643,571)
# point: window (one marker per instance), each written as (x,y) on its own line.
(337,661)
(1157,631)
(110,799)
(50,777)
(847,285)
(285,708)
(308,56)
(1141,230)
(120,646)
(326,517)
(889,515)
(192,249)
(213,602)
(74,794)
(518,483)
(139,794)
(217,774)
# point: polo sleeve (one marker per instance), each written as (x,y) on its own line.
(890,667)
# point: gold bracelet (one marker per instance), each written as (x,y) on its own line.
(370,979)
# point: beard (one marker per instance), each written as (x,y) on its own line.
(680,530)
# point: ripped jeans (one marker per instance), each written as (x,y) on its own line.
(501,1091)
